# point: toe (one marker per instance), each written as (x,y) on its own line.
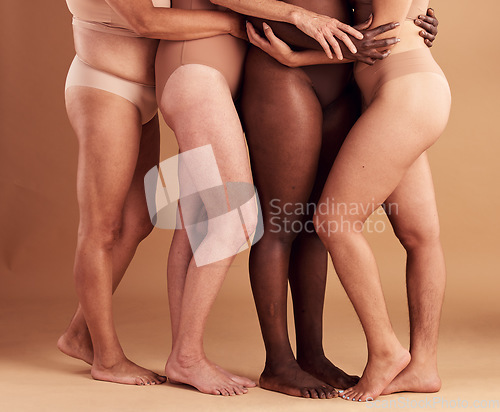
(305,393)
(314,393)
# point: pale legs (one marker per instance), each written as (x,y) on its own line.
(76,341)
(375,157)
(197,104)
(113,220)
(417,227)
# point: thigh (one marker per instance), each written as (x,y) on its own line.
(283,121)
(108,128)
(412,207)
(224,53)
(338,119)
(376,154)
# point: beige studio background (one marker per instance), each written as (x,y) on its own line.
(38,223)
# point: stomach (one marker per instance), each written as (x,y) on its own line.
(131,58)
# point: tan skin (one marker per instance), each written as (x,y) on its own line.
(306,253)
(416,225)
(115,152)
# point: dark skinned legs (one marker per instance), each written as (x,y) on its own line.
(308,264)
(285,152)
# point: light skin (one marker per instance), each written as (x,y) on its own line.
(113,221)
(381,165)
(115,153)
(421,375)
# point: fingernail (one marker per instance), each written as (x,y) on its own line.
(398,40)
(341,391)
(418,22)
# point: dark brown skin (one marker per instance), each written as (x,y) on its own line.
(296,121)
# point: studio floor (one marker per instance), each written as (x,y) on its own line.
(37,377)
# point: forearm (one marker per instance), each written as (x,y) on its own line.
(266,9)
(171,24)
(288,33)
(387,11)
(313,58)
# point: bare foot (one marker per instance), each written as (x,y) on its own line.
(379,372)
(290,379)
(77,345)
(415,378)
(126,372)
(247,383)
(320,367)
(204,376)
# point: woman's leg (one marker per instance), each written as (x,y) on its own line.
(283,120)
(76,341)
(109,131)
(377,153)
(416,224)
(308,264)
(197,104)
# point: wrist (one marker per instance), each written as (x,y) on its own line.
(298,16)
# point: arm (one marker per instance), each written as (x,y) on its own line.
(278,49)
(325,30)
(385,11)
(175,24)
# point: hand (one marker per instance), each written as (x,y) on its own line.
(367,47)
(326,30)
(429,24)
(237,25)
(273,46)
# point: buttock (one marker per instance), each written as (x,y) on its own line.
(371,78)
(143,96)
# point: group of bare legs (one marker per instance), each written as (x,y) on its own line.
(306,137)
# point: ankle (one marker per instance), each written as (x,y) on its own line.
(186,359)
(310,356)
(276,366)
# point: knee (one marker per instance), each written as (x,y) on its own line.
(417,237)
(336,228)
(140,228)
(101,233)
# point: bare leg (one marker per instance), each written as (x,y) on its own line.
(308,268)
(416,224)
(372,162)
(76,341)
(284,145)
(197,104)
(103,122)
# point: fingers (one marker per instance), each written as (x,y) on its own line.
(381,44)
(334,44)
(255,38)
(383,29)
(350,30)
(324,44)
(270,34)
(428,27)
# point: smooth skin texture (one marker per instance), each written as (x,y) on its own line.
(383,158)
(109,235)
(197,104)
(307,273)
(115,152)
